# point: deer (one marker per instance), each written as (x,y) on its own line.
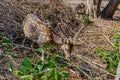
(39,32)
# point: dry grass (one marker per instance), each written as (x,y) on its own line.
(63,19)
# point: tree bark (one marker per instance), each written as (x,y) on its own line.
(93,8)
(98,7)
(90,8)
(110,9)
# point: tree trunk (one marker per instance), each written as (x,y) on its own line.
(98,3)
(110,9)
(90,8)
(93,8)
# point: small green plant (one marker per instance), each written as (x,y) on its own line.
(111,57)
(48,69)
(5,40)
(86,19)
(51,68)
(7,44)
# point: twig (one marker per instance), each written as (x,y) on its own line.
(28,49)
(108,40)
(23,42)
(69,28)
(13,61)
(92,64)
(74,65)
(22,46)
(78,33)
(35,52)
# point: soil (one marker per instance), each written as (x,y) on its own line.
(90,38)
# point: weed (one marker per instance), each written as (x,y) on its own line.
(48,69)
(86,19)
(7,47)
(111,57)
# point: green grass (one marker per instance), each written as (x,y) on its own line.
(111,57)
(51,68)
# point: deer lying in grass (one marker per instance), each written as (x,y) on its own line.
(40,33)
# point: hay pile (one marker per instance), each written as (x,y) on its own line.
(52,11)
(12,12)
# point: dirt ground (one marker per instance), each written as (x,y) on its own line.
(91,38)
